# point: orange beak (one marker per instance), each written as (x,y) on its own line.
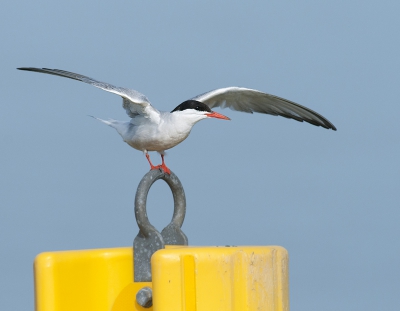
(217,115)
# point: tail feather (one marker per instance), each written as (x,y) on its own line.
(110,122)
(120,126)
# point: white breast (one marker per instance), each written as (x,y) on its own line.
(145,134)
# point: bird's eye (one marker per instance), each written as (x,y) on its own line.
(197,108)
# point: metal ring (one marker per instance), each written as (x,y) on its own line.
(141,199)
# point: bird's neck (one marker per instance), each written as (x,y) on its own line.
(183,123)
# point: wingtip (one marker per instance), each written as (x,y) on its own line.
(25,68)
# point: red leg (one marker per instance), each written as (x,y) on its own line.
(152,167)
(164,167)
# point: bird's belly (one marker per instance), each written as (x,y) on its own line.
(155,140)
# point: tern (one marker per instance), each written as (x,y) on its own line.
(153,130)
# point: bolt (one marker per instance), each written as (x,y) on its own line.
(144,297)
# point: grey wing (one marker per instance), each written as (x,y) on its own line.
(248,100)
(134,102)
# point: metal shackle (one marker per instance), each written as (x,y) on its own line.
(149,240)
(141,199)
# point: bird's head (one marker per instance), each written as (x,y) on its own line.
(195,110)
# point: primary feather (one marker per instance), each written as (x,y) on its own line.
(249,100)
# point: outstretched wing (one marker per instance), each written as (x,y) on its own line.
(134,102)
(248,100)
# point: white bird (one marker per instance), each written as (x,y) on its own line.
(153,130)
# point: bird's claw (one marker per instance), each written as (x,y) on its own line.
(166,169)
(162,167)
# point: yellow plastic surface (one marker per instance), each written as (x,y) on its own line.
(184,278)
(83,280)
(221,278)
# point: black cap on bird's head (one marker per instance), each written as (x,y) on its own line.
(199,106)
(192,104)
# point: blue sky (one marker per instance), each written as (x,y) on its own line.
(330,198)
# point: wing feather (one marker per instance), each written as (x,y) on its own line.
(133,102)
(249,100)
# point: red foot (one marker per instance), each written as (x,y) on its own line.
(165,169)
(162,166)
